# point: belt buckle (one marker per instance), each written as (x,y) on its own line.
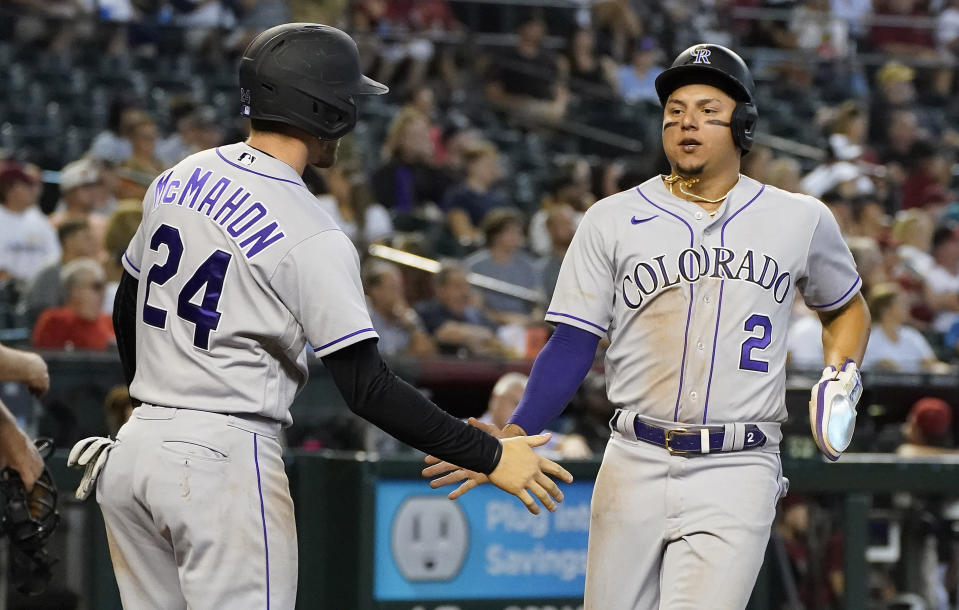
(669,437)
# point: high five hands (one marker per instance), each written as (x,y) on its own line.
(520,471)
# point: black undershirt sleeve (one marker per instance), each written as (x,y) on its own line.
(125,324)
(374,393)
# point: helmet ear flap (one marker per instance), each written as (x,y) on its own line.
(743,125)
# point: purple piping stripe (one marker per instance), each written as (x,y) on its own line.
(246,169)
(779,479)
(820,411)
(846,294)
(131,262)
(689,310)
(266,545)
(566,315)
(343,338)
(719,306)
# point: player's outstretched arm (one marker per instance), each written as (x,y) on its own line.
(557,372)
(374,393)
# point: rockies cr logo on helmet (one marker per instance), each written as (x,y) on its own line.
(701,54)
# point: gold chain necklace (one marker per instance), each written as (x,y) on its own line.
(684,183)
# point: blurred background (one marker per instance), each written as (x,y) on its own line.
(461,190)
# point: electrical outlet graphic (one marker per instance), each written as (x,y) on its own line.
(430,538)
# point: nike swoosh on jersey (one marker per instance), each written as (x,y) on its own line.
(639,221)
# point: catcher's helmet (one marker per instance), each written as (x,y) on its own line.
(712,64)
(304,75)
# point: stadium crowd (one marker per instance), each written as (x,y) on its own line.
(503,126)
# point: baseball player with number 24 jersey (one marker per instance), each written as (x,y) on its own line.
(692,277)
(234,272)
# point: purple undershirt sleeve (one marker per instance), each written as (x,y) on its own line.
(557,373)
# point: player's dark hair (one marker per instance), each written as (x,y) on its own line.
(264,126)
(70,228)
(498,220)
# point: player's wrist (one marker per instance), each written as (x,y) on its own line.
(510,430)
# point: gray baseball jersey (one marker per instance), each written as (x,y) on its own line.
(238,268)
(696,306)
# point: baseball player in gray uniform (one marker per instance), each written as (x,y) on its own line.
(234,273)
(691,276)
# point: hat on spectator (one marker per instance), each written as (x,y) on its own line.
(932,416)
(79,173)
(12,172)
(895,72)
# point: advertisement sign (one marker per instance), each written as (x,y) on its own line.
(485,545)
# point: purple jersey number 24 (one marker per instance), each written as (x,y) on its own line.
(746,361)
(208,277)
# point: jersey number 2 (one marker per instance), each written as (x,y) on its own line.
(208,276)
(761,342)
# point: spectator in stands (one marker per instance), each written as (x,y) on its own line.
(121,226)
(111,144)
(894,346)
(196,129)
(588,73)
(350,202)
(947,29)
(142,134)
(896,93)
(942,281)
(526,79)
(794,529)
(902,39)
(570,184)
(819,32)
(80,323)
(912,232)
(27,241)
(930,172)
(869,218)
(81,198)
(503,400)
(784,173)
(409,179)
(561,225)
(399,326)
(928,429)
(46,290)
(849,131)
(457,325)
(423,99)
(637,78)
(503,258)
(617,26)
(406,25)
(467,203)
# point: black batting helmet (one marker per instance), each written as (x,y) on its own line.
(305,75)
(713,64)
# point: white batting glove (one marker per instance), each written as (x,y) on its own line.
(832,408)
(89,454)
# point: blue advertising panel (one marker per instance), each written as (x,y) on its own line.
(485,545)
